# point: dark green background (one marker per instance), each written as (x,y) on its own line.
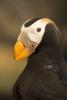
(12,15)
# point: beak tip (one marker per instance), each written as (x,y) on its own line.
(14,54)
(15,57)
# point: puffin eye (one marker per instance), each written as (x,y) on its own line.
(38,29)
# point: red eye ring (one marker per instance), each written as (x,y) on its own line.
(38,29)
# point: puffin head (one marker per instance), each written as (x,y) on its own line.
(36,33)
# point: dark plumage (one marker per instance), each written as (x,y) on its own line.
(45,76)
(30,22)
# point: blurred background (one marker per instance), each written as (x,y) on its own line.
(12,15)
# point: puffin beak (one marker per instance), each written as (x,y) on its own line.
(23,48)
(20,51)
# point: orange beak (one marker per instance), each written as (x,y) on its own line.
(20,51)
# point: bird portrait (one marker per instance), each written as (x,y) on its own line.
(45,75)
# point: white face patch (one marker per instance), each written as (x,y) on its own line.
(32,31)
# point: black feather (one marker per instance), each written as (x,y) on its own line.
(30,22)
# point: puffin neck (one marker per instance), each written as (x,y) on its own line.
(52,54)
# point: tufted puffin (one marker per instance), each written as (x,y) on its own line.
(45,75)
